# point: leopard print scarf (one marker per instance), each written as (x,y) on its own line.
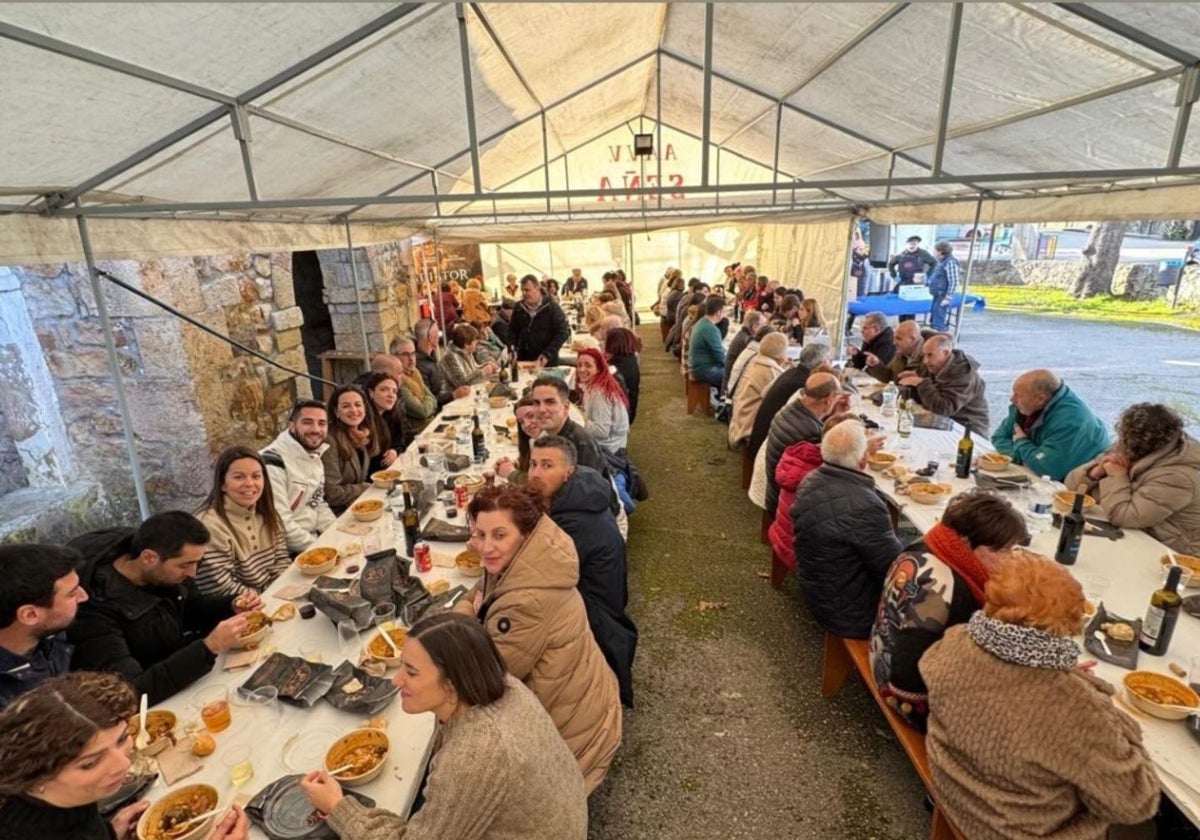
(1025,646)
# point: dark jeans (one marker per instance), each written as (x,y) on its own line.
(711,375)
(939,310)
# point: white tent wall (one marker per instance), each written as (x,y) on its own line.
(809,256)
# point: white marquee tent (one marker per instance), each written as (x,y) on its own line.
(131,130)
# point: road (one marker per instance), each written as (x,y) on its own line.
(1110,365)
(1134,248)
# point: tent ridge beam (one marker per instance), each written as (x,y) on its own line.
(107,62)
(1060,177)
(939,148)
(1130,33)
(469,93)
(1111,49)
(284,76)
(825,63)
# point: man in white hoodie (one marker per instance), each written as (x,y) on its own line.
(297,475)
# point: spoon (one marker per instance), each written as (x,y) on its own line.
(1099,636)
(341,769)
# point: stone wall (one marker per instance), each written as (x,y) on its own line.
(389,309)
(1136,281)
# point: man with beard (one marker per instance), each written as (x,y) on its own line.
(579,504)
(298,476)
(551,399)
(144,618)
(38,601)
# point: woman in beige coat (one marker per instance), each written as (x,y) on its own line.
(533,612)
(1150,479)
(762,370)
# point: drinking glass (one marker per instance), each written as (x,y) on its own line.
(436,458)
(236,757)
(1094,589)
(1193,675)
(311,652)
(348,641)
(384,615)
(262,706)
(213,703)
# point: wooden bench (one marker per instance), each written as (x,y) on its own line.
(841,657)
(779,570)
(747,466)
(699,396)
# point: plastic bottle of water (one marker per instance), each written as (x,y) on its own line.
(1039,515)
(890,395)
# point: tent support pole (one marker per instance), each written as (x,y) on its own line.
(658,114)
(437,202)
(500,272)
(546,160)
(469,93)
(114,367)
(840,329)
(708,75)
(437,289)
(1189,92)
(775,164)
(362,320)
(970,264)
(241,131)
(956,15)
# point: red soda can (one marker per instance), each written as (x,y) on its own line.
(422,556)
(460,496)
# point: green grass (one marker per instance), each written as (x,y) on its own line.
(1054,301)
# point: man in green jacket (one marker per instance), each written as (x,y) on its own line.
(1048,428)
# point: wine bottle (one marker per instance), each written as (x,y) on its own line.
(966,451)
(411,521)
(1159,624)
(904,418)
(478,443)
(1071,534)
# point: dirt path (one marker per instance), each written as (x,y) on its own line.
(730,737)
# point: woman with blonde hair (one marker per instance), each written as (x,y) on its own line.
(1023,741)
(474,305)
(811,317)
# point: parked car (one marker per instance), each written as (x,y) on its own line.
(1192,255)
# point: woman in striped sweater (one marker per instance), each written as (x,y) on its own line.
(246,549)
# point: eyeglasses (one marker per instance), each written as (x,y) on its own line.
(402,355)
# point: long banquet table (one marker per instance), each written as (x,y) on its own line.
(411,736)
(1122,574)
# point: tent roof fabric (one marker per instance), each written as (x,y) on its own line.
(470,119)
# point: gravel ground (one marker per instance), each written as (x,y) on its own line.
(730,737)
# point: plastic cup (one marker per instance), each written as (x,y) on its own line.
(213,703)
(238,761)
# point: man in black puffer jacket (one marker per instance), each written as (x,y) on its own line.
(538,328)
(580,504)
(799,420)
(844,539)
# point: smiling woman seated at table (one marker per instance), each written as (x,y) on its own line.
(935,584)
(531,608)
(1023,741)
(246,549)
(64,747)
(500,772)
(1150,479)
(347,461)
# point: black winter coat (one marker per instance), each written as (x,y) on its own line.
(587,451)
(791,424)
(153,637)
(882,345)
(540,333)
(631,373)
(844,547)
(581,508)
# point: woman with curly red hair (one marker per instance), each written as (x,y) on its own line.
(530,606)
(605,406)
(1023,741)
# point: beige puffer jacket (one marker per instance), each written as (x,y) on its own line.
(1161,495)
(536,617)
(759,375)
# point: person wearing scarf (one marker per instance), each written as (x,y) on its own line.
(935,584)
(1023,741)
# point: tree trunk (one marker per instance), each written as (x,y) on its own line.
(1100,257)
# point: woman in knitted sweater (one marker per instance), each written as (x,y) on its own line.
(605,405)
(935,584)
(64,746)
(1023,741)
(458,363)
(246,549)
(500,771)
